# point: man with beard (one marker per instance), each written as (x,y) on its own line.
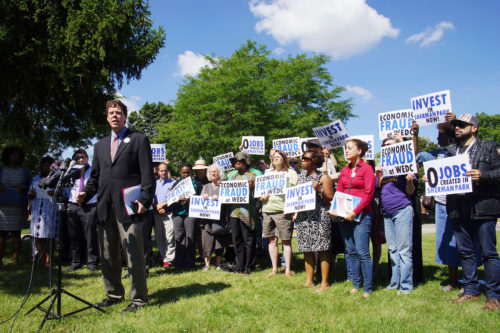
(474,215)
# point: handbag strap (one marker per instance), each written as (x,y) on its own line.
(350,182)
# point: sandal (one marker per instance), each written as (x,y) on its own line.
(273,273)
(353,291)
(288,274)
(320,290)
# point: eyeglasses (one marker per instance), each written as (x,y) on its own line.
(461,124)
(305,158)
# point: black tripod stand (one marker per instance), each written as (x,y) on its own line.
(55,294)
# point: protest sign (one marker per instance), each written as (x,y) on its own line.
(343,204)
(303,144)
(158,152)
(369,139)
(431,108)
(204,209)
(300,198)
(447,176)
(253,145)
(332,135)
(272,183)
(183,189)
(234,192)
(224,161)
(395,122)
(398,159)
(290,146)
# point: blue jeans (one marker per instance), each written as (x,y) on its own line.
(398,233)
(465,231)
(357,245)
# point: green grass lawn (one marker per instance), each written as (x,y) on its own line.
(220,301)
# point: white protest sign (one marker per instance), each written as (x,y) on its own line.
(431,108)
(253,145)
(290,146)
(272,183)
(158,152)
(332,135)
(300,198)
(395,122)
(204,209)
(303,144)
(224,161)
(369,139)
(344,203)
(234,192)
(447,176)
(183,189)
(398,159)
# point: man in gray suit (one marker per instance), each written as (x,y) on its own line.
(121,160)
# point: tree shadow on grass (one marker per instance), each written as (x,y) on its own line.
(171,295)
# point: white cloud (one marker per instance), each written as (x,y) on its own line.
(341,28)
(190,63)
(364,93)
(430,35)
(131,102)
(278,51)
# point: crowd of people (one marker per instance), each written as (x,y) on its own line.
(389,210)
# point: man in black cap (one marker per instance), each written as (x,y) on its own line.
(475,214)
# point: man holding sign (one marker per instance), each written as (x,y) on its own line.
(474,215)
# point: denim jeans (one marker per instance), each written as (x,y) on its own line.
(398,233)
(465,231)
(357,244)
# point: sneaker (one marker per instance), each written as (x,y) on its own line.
(463,298)
(492,304)
(205,269)
(218,268)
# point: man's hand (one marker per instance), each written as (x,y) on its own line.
(449,116)
(475,174)
(414,128)
(410,177)
(264,198)
(140,208)
(80,197)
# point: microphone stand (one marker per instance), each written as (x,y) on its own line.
(55,294)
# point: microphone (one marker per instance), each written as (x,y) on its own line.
(76,171)
(55,174)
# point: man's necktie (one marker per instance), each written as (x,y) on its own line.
(114,147)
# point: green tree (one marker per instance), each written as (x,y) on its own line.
(250,93)
(150,118)
(61,60)
(489,126)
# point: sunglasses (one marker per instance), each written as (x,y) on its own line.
(461,124)
(305,158)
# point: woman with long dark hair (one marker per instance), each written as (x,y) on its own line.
(357,179)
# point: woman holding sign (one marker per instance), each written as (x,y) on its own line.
(211,241)
(242,217)
(396,200)
(314,226)
(274,222)
(357,179)
(184,226)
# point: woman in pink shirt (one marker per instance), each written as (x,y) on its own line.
(357,179)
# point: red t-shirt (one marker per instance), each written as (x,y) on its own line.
(362,186)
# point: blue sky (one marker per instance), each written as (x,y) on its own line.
(384,51)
